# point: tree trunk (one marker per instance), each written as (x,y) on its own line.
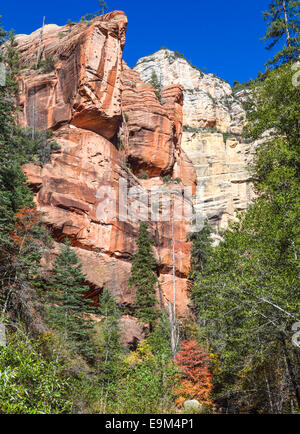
(172,306)
(290,370)
(40,44)
(288,38)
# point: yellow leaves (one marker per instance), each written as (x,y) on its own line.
(142,354)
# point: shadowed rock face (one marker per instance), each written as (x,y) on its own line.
(93,102)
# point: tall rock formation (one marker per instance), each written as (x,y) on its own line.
(213,119)
(113,132)
(120,140)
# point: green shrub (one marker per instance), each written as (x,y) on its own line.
(167,179)
(46,65)
(144,175)
(121,145)
(30,384)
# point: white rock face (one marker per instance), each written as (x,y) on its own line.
(223,186)
(208,100)
(210,109)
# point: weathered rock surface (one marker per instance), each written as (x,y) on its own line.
(193,405)
(213,119)
(223,185)
(114,129)
(84,88)
(208,100)
(94,102)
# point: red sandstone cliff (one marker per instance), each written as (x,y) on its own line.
(109,125)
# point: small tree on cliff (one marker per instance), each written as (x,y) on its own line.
(143,277)
(69,309)
(103,6)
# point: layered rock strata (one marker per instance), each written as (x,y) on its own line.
(213,119)
(112,132)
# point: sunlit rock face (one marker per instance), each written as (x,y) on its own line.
(213,120)
(84,87)
(223,187)
(109,126)
(208,100)
(113,127)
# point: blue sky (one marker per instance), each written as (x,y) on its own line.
(221,36)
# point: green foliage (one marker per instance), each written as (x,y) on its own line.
(68,310)
(144,175)
(201,249)
(148,380)
(156,84)
(19,256)
(246,293)
(108,343)
(189,129)
(47,64)
(70,23)
(81,366)
(29,383)
(167,179)
(103,6)
(121,144)
(283,23)
(143,277)
(274,107)
(89,17)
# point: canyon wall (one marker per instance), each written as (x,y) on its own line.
(109,126)
(213,119)
(118,139)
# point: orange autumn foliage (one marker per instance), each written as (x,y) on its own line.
(196,379)
(26,219)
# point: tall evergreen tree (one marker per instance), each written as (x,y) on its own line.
(201,249)
(283,24)
(143,277)
(110,347)
(103,6)
(69,310)
(247,295)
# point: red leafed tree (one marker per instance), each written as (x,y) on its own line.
(26,219)
(29,239)
(196,379)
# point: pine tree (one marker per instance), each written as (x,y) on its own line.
(143,277)
(283,23)
(103,6)
(110,347)
(201,248)
(69,310)
(14,193)
(247,295)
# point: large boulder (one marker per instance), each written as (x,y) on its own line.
(193,405)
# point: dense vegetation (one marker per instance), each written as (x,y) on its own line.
(247,289)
